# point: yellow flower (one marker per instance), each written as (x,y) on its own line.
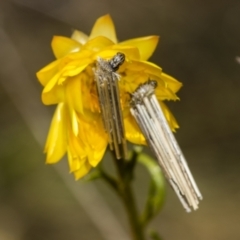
(76,126)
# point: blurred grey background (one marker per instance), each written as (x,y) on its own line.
(199,45)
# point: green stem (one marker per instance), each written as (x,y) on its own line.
(128,200)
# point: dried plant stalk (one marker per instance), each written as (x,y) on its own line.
(150,118)
(109,99)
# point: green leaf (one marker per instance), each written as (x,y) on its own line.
(156,192)
(155,236)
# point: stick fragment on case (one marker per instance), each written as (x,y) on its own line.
(109,100)
(150,117)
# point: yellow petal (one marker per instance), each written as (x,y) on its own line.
(74,122)
(56,144)
(109,53)
(129,51)
(147,67)
(164,93)
(62,46)
(98,43)
(98,145)
(74,161)
(56,95)
(95,156)
(70,71)
(104,26)
(52,82)
(169,116)
(77,146)
(145,45)
(46,73)
(83,54)
(171,82)
(133,133)
(131,80)
(79,37)
(74,93)
(84,169)
(138,72)
(95,139)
